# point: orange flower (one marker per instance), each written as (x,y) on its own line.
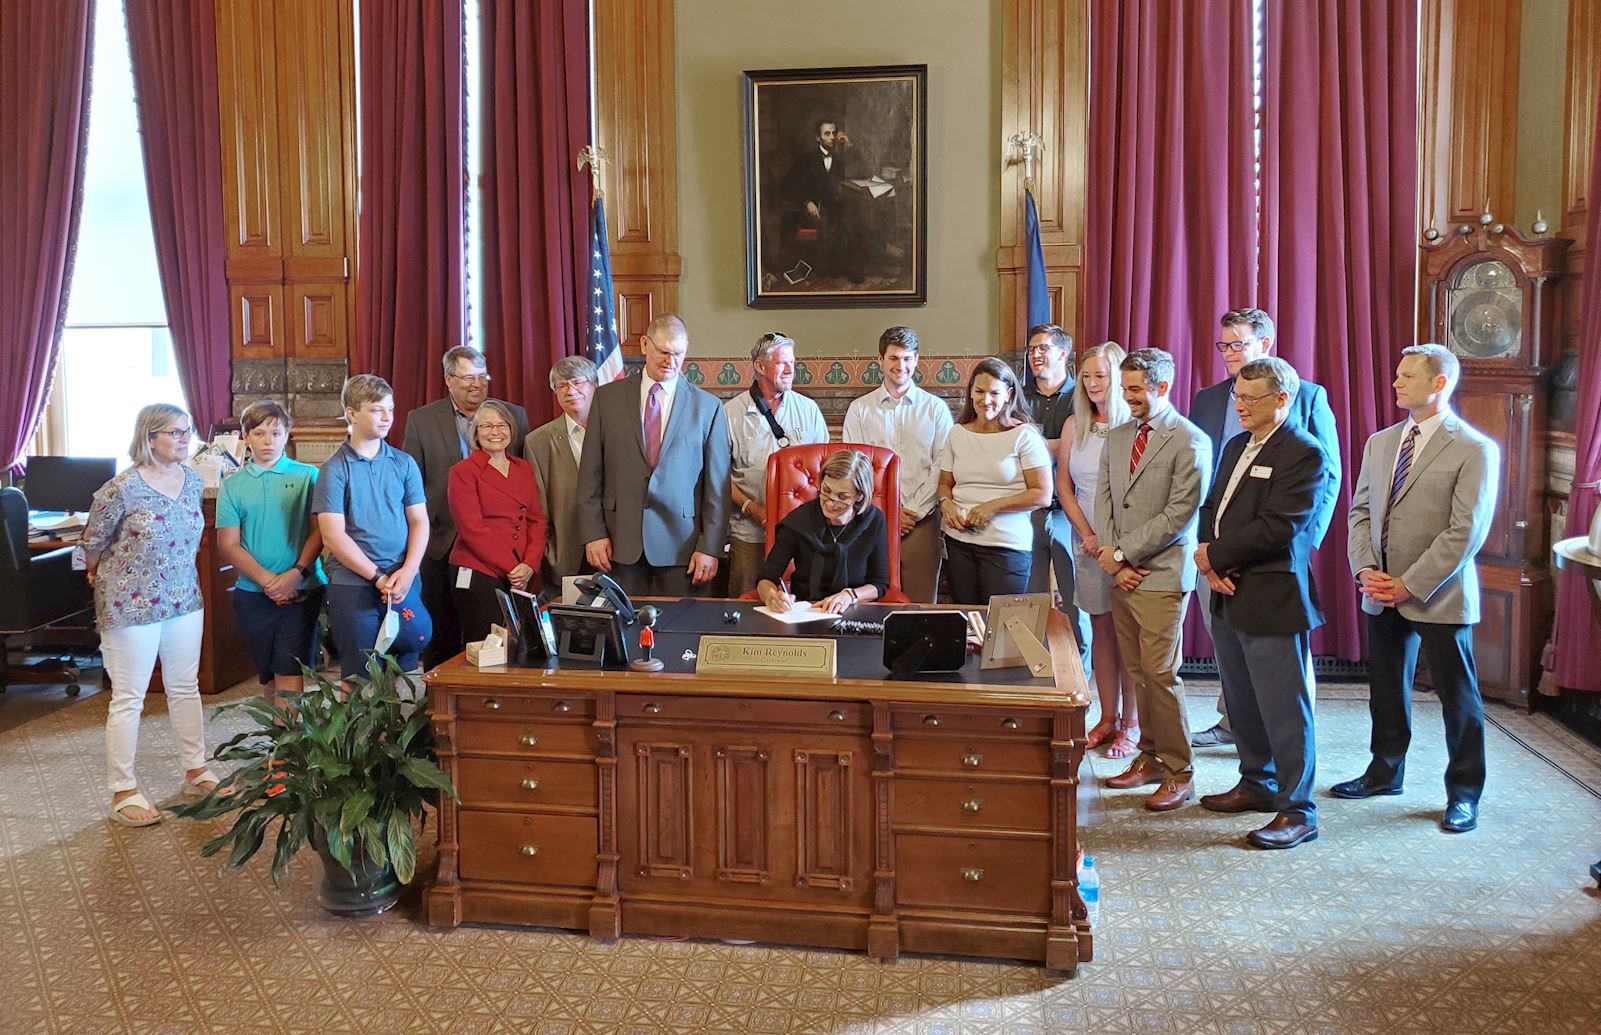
(275,790)
(280,776)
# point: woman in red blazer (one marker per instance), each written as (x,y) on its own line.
(500,524)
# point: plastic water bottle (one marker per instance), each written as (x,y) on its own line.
(1089,889)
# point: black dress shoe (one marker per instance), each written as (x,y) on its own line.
(1238,799)
(1360,788)
(1215,736)
(1460,817)
(1286,831)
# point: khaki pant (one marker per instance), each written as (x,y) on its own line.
(744,563)
(1150,633)
(922,549)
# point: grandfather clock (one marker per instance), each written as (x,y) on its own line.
(1491,299)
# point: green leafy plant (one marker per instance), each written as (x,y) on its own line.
(345,767)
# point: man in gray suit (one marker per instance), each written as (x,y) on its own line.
(1154,473)
(653,498)
(554,450)
(1421,511)
(436,437)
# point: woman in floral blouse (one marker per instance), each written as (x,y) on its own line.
(139,548)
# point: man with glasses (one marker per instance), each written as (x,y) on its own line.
(760,422)
(555,449)
(1048,392)
(436,437)
(1248,336)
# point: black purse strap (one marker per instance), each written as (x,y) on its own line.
(767,412)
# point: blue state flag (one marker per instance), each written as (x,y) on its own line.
(600,337)
(1039,298)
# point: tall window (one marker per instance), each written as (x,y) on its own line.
(116,352)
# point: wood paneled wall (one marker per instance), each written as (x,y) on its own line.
(1468,64)
(1584,83)
(636,122)
(1044,90)
(286,83)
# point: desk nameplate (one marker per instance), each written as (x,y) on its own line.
(791,656)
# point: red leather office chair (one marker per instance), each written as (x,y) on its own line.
(792,479)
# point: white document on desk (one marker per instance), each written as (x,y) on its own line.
(801,612)
(875,186)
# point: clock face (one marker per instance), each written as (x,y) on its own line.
(1484,313)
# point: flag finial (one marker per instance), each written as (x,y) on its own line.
(1021,147)
(594,157)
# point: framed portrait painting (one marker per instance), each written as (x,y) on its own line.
(836,207)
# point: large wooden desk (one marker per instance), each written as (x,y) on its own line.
(928,815)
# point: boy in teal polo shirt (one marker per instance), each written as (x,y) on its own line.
(265,530)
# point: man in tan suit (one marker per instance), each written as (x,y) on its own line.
(1154,474)
(554,449)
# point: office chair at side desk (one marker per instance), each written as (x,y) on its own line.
(37,591)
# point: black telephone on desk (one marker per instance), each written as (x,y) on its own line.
(603,590)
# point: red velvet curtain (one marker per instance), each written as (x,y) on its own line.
(44,123)
(1339,251)
(409,283)
(174,51)
(1578,640)
(536,205)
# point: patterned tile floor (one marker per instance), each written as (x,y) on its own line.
(1384,924)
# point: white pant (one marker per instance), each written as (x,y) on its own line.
(130,656)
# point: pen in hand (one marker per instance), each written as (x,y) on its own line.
(787,599)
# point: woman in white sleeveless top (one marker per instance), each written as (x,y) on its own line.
(1098,407)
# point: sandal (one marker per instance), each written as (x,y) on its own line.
(135,800)
(1126,744)
(196,788)
(1099,735)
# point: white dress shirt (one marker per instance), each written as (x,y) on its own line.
(669,389)
(915,426)
(575,434)
(1426,429)
(751,442)
(1241,466)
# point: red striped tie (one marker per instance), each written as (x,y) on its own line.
(1139,446)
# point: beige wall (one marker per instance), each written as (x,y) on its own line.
(959,40)
(1542,82)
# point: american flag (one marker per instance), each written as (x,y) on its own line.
(601,327)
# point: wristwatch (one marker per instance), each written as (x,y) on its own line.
(1117,555)
(300,568)
(376,576)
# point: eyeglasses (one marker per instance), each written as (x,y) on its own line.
(772,336)
(1234,346)
(176,434)
(1042,349)
(472,379)
(1250,400)
(838,498)
(572,384)
(493,427)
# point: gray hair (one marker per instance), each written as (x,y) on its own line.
(850,465)
(1279,375)
(152,420)
(769,343)
(667,327)
(1115,407)
(570,368)
(494,406)
(1437,360)
(471,355)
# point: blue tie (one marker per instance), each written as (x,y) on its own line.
(1403,465)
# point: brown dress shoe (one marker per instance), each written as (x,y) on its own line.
(1240,799)
(1140,773)
(1286,831)
(1173,793)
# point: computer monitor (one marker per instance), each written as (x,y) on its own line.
(66,482)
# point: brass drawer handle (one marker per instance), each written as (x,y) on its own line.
(931,720)
(972,805)
(533,850)
(528,740)
(653,709)
(973,873)
(561,706)
(973,760)
(1009,723)
(837,715)
(531,784)
(492,704)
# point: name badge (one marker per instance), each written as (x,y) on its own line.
(464,578)
(1258,471)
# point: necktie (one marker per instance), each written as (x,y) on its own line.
(1140,439)
(1403,464)
(653,425)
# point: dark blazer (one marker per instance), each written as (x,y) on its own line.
(1309,409)
(1268,533)
(556,470)
(499,521)
(660,515)
(825,565)
(432,441)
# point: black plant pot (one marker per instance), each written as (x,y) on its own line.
(360,890)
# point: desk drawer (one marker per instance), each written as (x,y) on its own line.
(514,705)
(485,781)
(521,849)
(996,723)
(973,755)
(955,803)
(525,738)
(851,715)
(998,874)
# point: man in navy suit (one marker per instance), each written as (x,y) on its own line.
(1248,336)
(1258,529)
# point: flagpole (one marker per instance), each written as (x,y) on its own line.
(601,341)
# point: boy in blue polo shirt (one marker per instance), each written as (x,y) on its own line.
(374,519)
(264,529)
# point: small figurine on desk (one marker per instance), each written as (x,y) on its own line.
(647,640)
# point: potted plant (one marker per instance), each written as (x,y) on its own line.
(343,769)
